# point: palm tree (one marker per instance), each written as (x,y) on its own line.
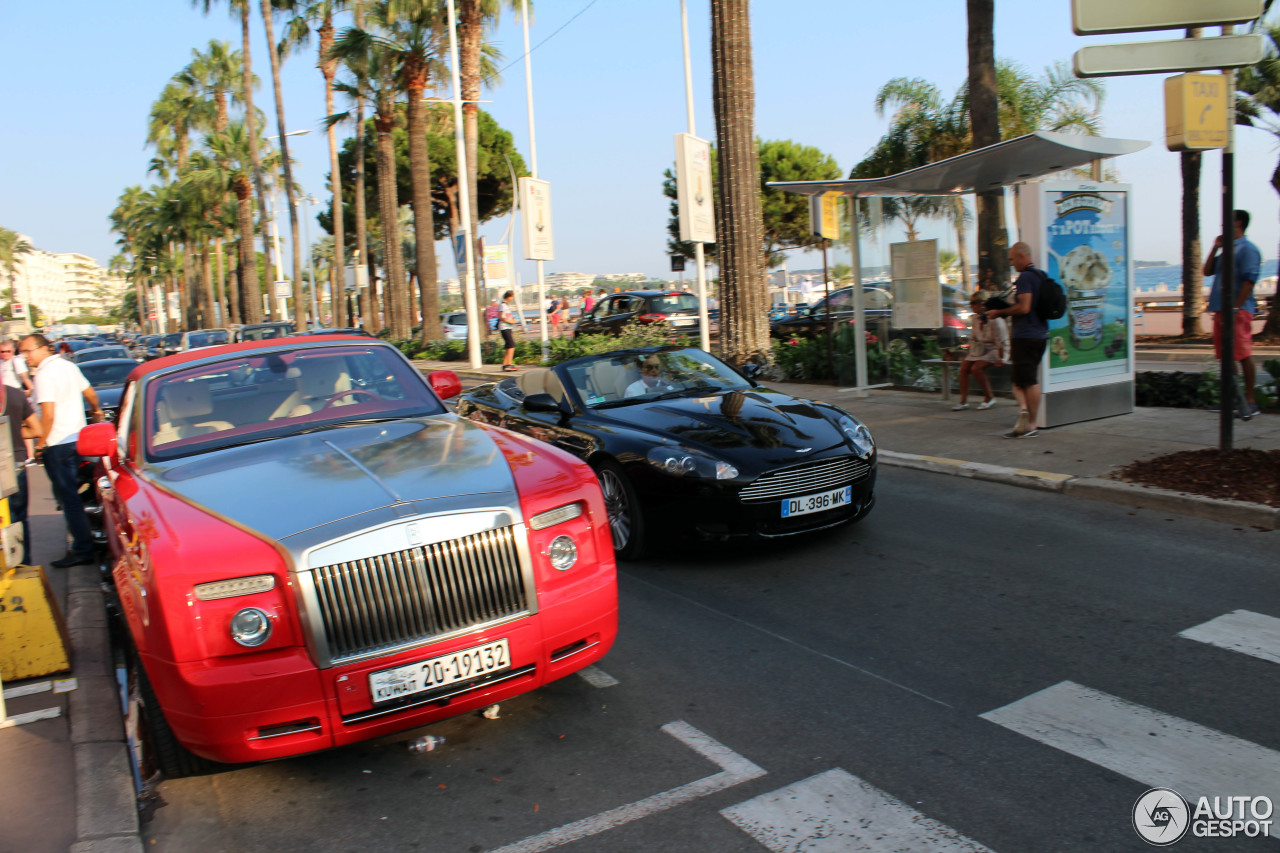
(377,61)
(744,322)
(993,240)
(217,74)
(12,247)
(179,110)
(319,13)
(1259,106)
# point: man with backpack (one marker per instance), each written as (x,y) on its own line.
(1028,336)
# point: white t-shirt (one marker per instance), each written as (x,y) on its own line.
(60,382)
(639,388)
(12,369)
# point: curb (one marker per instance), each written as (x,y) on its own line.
(1260,516)
(106,803)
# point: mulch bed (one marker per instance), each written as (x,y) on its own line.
(1244,474)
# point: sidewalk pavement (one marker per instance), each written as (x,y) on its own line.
(76,764)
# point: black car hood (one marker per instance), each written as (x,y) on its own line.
(761,424)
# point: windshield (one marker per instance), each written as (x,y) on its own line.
(97,353)
(265,333)
(253,397)
(101,373)
(172,339)
(632,377)
(206,339)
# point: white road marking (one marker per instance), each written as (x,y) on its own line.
(28,689)
(1241,631)
(30,717)
(597,677)
(734,770)
(836,812)
(1152,747)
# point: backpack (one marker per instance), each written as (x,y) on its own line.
(1051,303)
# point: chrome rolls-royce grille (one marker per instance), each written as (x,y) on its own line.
(805,479)
(380,603)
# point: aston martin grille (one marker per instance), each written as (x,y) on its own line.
(380,603)
(805,479)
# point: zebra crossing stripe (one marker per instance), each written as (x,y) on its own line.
(1154,748)
(1241,631)
(836,812)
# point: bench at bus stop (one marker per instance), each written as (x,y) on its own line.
(1001,378)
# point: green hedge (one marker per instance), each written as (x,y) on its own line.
(558,349)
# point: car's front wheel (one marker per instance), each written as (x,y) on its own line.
(152,742)
(626,522)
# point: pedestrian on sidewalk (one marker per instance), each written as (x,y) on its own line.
(60,387)
(1028,337)
(23,427)
(507,319)
(1247,263)
(988,347)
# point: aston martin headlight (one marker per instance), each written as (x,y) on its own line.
(250,627)
(857,434)
(687,462)
(563,553)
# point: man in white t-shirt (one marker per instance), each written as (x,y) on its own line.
(59,389)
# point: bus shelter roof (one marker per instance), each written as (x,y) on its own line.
(1013,161)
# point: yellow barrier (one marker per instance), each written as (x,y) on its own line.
(33,636)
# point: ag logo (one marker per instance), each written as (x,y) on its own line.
(1161,816)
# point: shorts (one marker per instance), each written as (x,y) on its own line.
(1242,347)
(1025,355)
(508,339)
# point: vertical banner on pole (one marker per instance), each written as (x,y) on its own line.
(693,189)
(535,225)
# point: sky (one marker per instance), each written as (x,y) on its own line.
(608,98)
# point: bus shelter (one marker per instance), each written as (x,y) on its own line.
(1079,233)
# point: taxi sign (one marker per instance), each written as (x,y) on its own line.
(1195,112)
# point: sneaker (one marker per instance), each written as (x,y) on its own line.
(986,404)
(1014,433)
(1024,422)
(1031,433)
(960,407)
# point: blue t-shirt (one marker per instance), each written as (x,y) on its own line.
(1248,262)
(1029,325)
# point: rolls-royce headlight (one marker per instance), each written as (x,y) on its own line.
(857,434)
(250,627)
(687,462)
(559,515)
(563,552)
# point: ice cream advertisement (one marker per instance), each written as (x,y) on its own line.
(1086,251)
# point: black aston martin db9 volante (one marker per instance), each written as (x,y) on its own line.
(683,443)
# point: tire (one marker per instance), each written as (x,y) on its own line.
(626,521)
(157,748)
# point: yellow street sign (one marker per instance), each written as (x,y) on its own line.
(1195,112)
(824,214)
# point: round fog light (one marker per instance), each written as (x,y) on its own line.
(250,627)
(562,552)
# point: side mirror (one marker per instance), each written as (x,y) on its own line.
(751,370)
(97,440)
(542,403)
(445,383)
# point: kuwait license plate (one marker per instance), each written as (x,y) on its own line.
(684,321)
(388,684)
(817,502)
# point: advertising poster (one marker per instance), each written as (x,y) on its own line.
(917,295)
(497,266)
(693,189)
(535,217)
(1087,252)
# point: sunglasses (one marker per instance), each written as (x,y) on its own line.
(650,368)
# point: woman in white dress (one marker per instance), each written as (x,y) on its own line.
(988,347)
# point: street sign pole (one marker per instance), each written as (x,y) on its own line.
(1227,268)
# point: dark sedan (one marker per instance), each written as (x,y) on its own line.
(107,376)
(101,353)
(683,443)
(612,313)
(877,307)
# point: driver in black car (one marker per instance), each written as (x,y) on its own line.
(651,380)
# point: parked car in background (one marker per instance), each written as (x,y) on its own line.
(98,353)
(454,325)
(877,308)
(107,378)
(263,331)
(146,347)
(204,338)
(172,343)
(309,332)
(683,444)
(354,560)
(613,312)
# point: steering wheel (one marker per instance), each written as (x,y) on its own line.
(352,392)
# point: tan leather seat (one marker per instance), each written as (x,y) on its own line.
(318,380)
(609,379)
(183,412)
(541,380)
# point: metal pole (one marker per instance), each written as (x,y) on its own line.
(464,200)
(533,165)
(311,264)
(1226,273)
(859,315)
(704,321)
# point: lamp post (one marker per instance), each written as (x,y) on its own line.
(311,261)
(297,309)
